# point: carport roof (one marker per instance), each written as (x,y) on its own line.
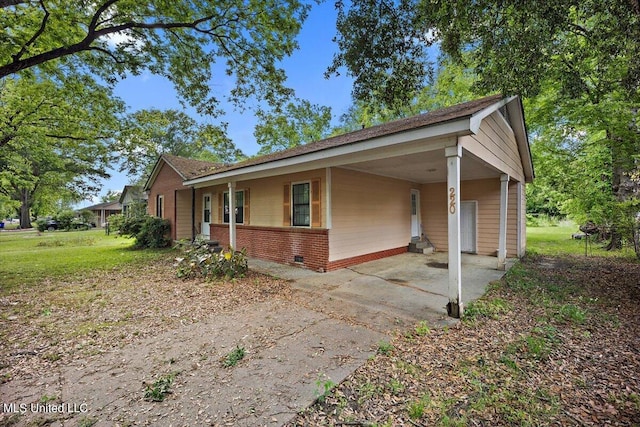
(461,112)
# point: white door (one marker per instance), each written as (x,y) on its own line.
(415,215)
(468,226)
(206,215)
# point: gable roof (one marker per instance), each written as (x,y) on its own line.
(184,167)
(136,190)
(460,119)
(444,115)
(107,206)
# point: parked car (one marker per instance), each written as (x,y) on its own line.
(51,225)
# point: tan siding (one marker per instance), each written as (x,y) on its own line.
(495,143)
(266,198)
(487,193)
(183,214)
(369,213)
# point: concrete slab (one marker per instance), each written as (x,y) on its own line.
(390,292)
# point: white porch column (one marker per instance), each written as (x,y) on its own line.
(232,215)
(502,238)
(455,306)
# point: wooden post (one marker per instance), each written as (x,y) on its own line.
(455,306)
(232,215)
(502,238)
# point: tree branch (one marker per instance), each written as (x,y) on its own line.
(8,3)
(37,34)
(92,35)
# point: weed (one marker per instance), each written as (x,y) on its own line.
(416,409)
(396,386)
(385,348)
(87,422)
(157,391)
(46,398)
(232,359)
(422,329)
(52,357)
(324,388)
(572,313)
(485,308)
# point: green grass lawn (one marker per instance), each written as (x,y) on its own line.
(556,240)
(28,257)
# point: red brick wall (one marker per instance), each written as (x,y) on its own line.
(282,244)
(166,183)
(279,244)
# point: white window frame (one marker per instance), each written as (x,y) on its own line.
(160,205)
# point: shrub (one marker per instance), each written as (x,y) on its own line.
(65,219)
(149,231)
(199,261)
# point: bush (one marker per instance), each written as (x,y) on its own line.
(149,231)
(199,261)
(65,219)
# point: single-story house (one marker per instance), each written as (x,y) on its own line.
(102,212)
(133,197)
(455,177)
(169,198)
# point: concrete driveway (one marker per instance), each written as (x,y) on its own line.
(295,348)
(391,292)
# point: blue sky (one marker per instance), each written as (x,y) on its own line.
(305,71)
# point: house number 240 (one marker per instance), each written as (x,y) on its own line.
(452,200)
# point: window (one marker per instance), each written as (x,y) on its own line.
(301,206)
(160,206)
(206,214)
(239,208)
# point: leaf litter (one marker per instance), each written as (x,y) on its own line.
(557,343)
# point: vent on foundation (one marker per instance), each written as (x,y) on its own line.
(298,258)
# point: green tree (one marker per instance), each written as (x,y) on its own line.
(178,40)
(147,134)
(111,196)
(299,123)
(583,57)
(57,138)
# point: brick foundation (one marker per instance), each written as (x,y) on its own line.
(280,244)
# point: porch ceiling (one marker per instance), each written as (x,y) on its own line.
(425,167)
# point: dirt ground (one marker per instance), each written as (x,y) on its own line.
(86,352)
(555,343)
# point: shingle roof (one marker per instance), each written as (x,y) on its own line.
(190,168)
(455,112)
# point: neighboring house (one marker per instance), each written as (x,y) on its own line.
(169,198)
(455,176)
(102,212)
(133,197)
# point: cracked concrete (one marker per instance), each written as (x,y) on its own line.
(293,348)
(291,352)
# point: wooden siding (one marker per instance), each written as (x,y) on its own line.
(487,194)
(183,214)
(496,144)
(370,213)
(266,198)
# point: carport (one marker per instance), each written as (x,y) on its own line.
(390,292)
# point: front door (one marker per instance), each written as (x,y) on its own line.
(468,227)
(415,215)
(206,215)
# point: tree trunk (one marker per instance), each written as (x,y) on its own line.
(25,209)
